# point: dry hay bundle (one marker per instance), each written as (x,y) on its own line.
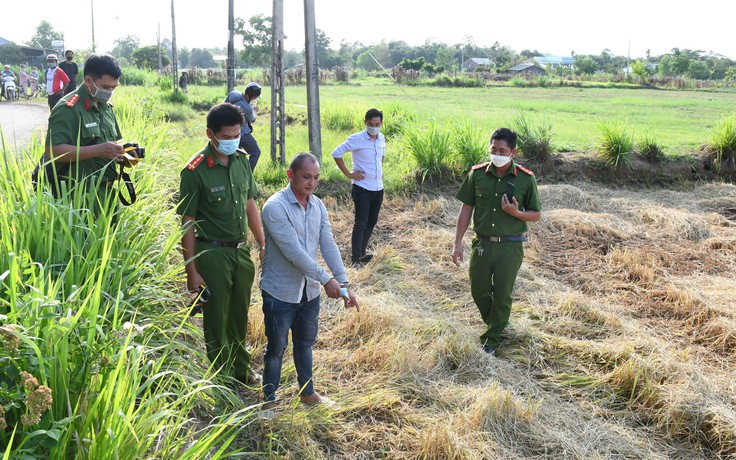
(675,224)
(565,196)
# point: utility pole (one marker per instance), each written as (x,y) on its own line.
(92,9)
(230,63)
(158,47)
(174,64)
(310,48)
(277,83)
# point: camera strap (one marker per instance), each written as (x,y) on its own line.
(125,177)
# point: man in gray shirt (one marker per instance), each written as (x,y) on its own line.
(296,225)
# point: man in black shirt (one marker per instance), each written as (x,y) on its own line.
(71,69)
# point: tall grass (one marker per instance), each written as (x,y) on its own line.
(98,361)
(431,148)
(615,143)
(342,117)
(723,142)
(649,149)
(470,145)
(534,141)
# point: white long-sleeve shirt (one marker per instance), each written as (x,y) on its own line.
(367,156)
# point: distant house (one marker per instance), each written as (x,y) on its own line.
(473,63)
(33,55)
(551,61)
(527,68)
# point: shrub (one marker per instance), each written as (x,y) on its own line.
(534,140)
(138,77)
(649,149)
(723,143)
(520,82)
(165,84)
(396,118)
(470,145)
(430,147)
(615,143)
(339,117)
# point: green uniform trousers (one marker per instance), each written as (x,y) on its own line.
(493,269)
(229,274)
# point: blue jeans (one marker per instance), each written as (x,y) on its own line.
(367,206)
(302,319)
(250,145)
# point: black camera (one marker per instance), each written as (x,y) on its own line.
(139,151)
(203,296)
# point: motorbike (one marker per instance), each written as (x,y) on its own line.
(11,93)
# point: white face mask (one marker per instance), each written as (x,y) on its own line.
(500,161)
(373,130)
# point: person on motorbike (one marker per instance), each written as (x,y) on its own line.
(6,73)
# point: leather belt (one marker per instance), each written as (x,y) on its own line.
(502,239)
(224,244)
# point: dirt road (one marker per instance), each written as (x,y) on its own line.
(19,120)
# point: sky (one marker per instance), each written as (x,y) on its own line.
(625,27)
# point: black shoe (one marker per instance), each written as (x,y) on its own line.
(489,351)
(364,259)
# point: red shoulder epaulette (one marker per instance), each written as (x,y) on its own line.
(195,161)
(72,100)
(528,171)
(482,165)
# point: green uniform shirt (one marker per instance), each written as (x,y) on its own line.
(216,195)
(75,120)
(482,189)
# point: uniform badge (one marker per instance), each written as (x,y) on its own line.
(72,100)
(195,161)
(87,104)
(210,162)
(528,171)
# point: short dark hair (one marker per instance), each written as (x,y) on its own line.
(505,134)
(225,114)
(373,113)
(99,65)
(298,162)
(69,51)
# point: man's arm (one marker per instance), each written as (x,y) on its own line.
(357,174)
(68,153)
(331,255)
(194,279)
(463,222)
(513,209)
(254,223)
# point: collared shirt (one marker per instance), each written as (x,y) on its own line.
(55,79)
(293,236)
(75,120)
(216,195)
(483,189)
(367,156)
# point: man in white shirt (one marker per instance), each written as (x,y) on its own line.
(368,149)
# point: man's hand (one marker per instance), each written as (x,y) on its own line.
(457,254)
(194,281)
(358,174)
(111,151)
(332,289)
(351,300)
(510,207)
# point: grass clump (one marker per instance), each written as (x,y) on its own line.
(723,143)
(649,149)
(615,144)
(470,145)
(396,118)
(431,148)
(341,117)
(534,140)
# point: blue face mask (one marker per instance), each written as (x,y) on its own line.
(228,146)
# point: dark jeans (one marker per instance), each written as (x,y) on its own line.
(302,319)
(53,99)
(249,144)
(367,205)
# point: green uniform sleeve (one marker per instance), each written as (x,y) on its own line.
(466,193)
(63,127)
(531,203)
(188,194)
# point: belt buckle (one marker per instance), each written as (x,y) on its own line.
(240,245)
(495,239)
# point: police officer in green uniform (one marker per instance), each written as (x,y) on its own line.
(217,208)
(499,223)
(83,130)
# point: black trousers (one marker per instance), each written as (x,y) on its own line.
(53,99)
(367,206)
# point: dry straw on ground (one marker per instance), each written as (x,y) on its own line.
(621,343)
